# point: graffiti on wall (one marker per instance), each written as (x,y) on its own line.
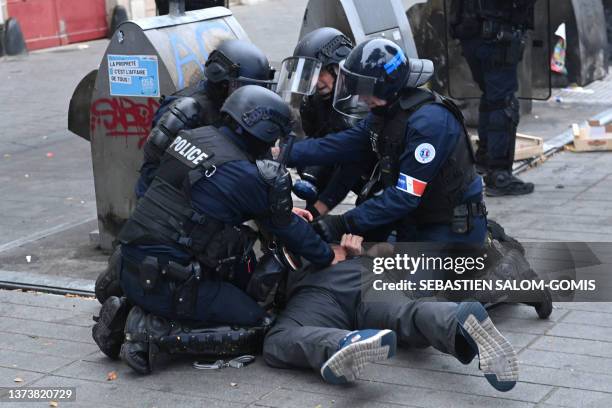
(124,117)
(191,51)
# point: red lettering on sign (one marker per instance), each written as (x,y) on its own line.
(123,117)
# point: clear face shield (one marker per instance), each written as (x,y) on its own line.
(353,91)
(298,76)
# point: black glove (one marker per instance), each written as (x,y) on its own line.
(331,227)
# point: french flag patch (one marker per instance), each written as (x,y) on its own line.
(411,185)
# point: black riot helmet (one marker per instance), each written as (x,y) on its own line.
(322,48)
(259,112)
(378,68)
(236,63)
(326,44)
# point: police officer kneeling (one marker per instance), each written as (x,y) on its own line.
(233,64)
(185,255)
(426,187)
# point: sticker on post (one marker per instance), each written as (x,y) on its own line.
(133,75)
(411,185)
(425,153)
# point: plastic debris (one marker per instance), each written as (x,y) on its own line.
(53,403)
(28,258)
(18,379)
(112,376)
(233,384)
(50,155)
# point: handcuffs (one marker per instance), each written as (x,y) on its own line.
(237,362)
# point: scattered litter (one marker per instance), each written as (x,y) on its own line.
(53,404)
(536,116)
(45,137)
(69,198)
(50,155)
(82,202)
(27,176)
(6,155)
(559,99)
(18,379)
(28,258)
(233,384)
(83,46)
(559,186)
(112,376)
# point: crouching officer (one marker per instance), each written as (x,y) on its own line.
(492,35)
(185,254)
(426,186)
(233,64)
(315,63)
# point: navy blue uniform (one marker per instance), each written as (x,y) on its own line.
(431,124)
(234,194)
(499,108)
(199,92)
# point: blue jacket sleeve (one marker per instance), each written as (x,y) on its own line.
(301,239)
(431,135)
(236,193)
(349,146)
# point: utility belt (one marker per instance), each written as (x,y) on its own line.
(463,215)
(183,280)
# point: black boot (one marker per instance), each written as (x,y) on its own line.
(142,333)
(503,183)
(107,284)
(108,330)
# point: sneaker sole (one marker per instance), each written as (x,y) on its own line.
(498,360)
(344,366)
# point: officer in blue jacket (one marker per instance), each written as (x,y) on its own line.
(185,253)
(233,64)
(426,187)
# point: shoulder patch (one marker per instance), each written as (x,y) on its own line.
(425,153)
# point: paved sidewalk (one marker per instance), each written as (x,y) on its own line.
(565,362)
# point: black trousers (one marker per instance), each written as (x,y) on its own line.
(327,306)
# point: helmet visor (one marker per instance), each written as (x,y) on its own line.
(352,93)
(239,82)
(298,75)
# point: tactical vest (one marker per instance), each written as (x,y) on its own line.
(165,215)
(319,118)
(446,190)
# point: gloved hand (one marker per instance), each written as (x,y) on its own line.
(331,227)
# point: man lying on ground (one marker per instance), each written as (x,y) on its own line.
(327,326)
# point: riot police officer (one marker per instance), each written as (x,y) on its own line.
(233,64)
(185,253)
(429,189)
(492,35)
(323,187)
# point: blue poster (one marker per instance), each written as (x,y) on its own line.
(133,75)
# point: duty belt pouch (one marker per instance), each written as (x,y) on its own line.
(461,220)
(148,273)
(185,298)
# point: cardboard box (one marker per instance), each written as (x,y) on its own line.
(527,146)
(592,138)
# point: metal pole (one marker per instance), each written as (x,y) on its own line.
(176,7)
